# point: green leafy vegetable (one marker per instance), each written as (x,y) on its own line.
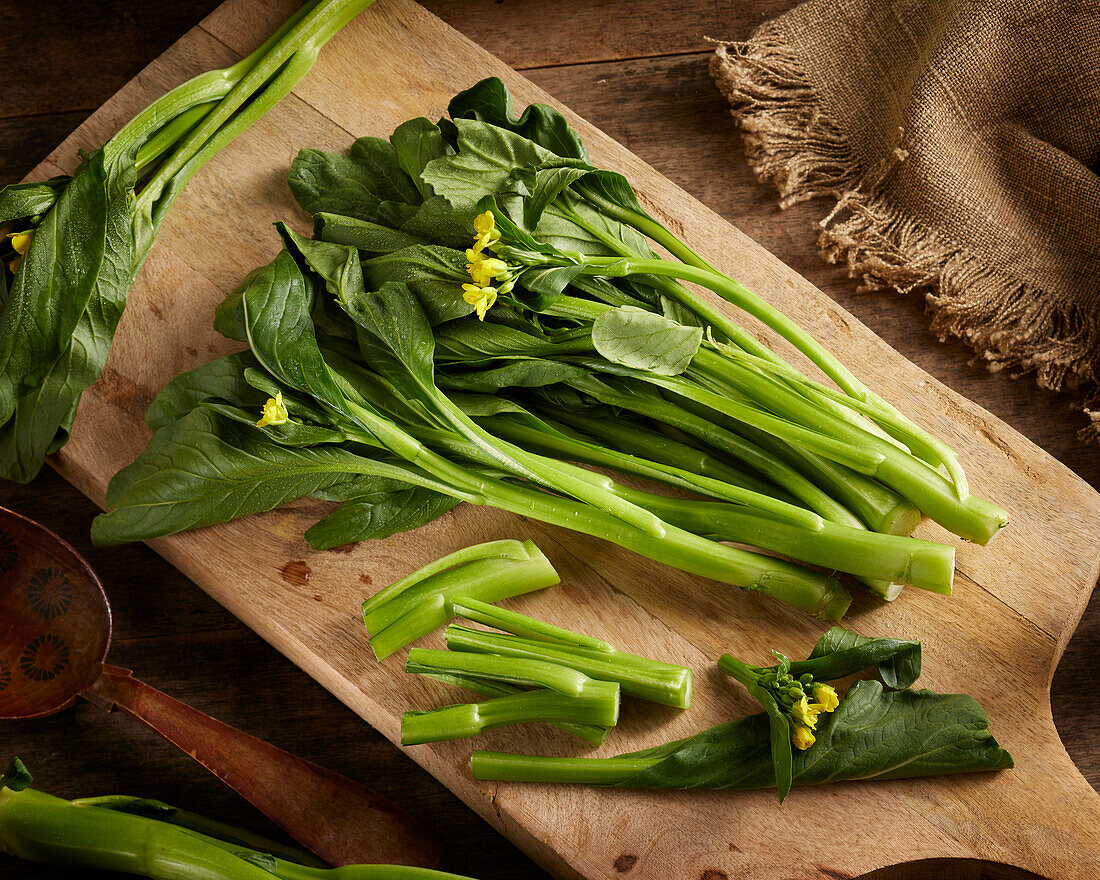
(84,239)
(874,733)
(151,839)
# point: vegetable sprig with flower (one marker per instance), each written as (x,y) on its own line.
(877,730)
(70,248)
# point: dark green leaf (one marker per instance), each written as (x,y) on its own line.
(839,653)
(874,734)
(222,379)
(16,777)
(416,143)
(435,274)
(374,517)
(334,184)
(204,469)
(393,181)
(645,341)
(27,201)
(61,311)
(489,101)
(394,318)
(371,238)
(531,373)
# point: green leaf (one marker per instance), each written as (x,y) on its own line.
(839,653)
(874,734)
(203,469)
(435,274)
(378,516)
(470,339)
(61,311)
(384,162)
(369,238)
(393,316)
(645,341)
(416,143)
(485,164)
(530,373)
(17,777)
(223,378)
(28,201)
(334,184)
(336,264)
(489,101)
(275,310)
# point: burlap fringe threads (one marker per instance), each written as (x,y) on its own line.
(791,143)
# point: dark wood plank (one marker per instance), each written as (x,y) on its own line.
(667,111)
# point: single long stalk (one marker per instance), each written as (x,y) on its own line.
(597,705)
(531,672)
(652,680)
(592,733)
(522,625)
(507,767)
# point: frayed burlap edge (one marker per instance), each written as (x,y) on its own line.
(793,144)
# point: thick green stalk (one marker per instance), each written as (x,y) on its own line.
(527,672)
(804,589)
(597,705)
(640,442)
(41,828)
(420,603)
(641,677)
(917,439)
(592,733)
(891,558)
(518,624)
(507,767)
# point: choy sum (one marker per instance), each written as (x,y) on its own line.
(874,732)
(71,247)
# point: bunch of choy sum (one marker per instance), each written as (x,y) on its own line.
(71,247)
(479,313)
(151,839)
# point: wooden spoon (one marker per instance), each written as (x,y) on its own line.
(55,629)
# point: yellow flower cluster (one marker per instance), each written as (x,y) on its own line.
(805,714)
(484,270)
(275,412)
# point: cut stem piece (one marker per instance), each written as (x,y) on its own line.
(415,605)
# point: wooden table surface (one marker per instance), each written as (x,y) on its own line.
(638,70)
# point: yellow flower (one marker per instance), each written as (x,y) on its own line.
(21,243)
(485,226)
(480,297)
(802,737)
(484,269)
(826,698)
(805,714)
(274,412)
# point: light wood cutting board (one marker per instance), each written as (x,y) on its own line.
(999,637)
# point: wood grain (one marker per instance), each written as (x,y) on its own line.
(681,130)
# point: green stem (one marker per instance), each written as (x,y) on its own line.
(592,733)
(528,672)
(652,680)
(597,705)
(506,767)
(518,624)
(416,605)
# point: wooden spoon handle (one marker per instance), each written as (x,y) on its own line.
(338,819)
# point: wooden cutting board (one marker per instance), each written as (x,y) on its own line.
(999,637)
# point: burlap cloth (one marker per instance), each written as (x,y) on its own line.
(960,143)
